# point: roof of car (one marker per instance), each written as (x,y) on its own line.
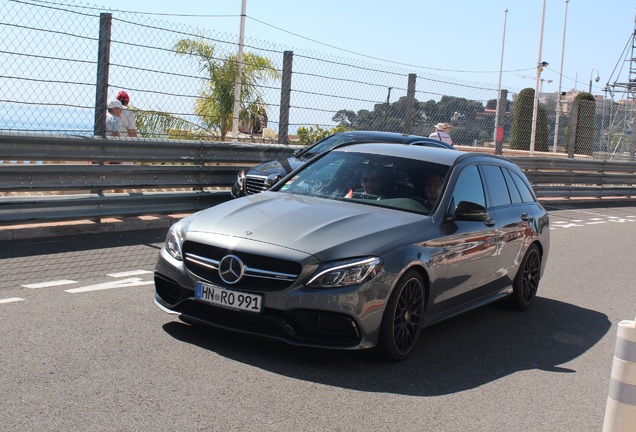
(433,154)
(390,136)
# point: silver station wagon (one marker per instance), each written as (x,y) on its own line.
(362,247)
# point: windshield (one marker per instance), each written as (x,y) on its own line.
(371,179)
(326,144)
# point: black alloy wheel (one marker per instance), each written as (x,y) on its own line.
(526,283)
(403,317)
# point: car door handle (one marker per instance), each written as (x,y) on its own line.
(489,222)
(525,217)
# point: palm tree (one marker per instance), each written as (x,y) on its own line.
(215,105)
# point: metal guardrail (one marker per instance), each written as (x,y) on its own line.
(570,178)
(76,178)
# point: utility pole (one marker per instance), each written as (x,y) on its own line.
(239,75)
(499,130)
(559,96)
(540,66)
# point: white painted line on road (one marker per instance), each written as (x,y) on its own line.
(49,284)
(11,300)
(595,223)
(123,283)
(129,273)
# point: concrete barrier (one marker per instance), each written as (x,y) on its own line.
(620,413)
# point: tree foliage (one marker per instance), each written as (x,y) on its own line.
(585,124)
(521,133)
(466,117)
(522,120)
(310,135)
(215,105)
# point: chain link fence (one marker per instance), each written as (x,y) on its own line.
(62,62)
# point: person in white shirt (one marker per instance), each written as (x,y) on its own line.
(128,125)
(442,133)
(113,118)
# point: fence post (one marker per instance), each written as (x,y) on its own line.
(620,412)
(285,98)
(410,102)
(499,115)
(103,64)
(572,126)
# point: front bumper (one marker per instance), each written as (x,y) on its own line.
(302,327)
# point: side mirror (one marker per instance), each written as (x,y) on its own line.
(271,180)
(470,211)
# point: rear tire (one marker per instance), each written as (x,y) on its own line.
(402,321)
(526,283)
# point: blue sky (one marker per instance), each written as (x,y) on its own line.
(453,38)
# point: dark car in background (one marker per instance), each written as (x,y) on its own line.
(263,176)
(361,247)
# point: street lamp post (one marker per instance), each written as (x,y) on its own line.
(499,133)
(558,105)
(540,66)
(597,79)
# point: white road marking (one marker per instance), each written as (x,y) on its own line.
(123,283)
(592,221)
(11,300)
(49,284)
(129,273)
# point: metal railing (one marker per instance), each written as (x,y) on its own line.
(73,178)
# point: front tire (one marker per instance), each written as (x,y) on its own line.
(526,283)
(403,317)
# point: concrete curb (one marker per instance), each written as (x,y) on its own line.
(106,225)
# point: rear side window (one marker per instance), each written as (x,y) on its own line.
(496,184)
(515,196)
(469,187)
(526,195)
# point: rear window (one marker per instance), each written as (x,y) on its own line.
(526,194)
(496,184)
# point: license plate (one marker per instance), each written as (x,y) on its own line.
(228,299)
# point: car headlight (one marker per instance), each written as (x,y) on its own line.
(344,273)
(240,179)
(174,240)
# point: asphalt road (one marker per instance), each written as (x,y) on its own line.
(83,348)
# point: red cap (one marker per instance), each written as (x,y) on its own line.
(123,96)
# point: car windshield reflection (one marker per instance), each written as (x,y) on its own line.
(390,182)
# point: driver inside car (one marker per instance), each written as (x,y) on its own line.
(373,184)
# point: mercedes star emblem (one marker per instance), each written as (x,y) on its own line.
(231,269)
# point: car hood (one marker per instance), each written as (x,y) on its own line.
(323,228)
(281,167)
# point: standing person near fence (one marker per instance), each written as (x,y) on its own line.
(128,124)
(113,118)
(442,133)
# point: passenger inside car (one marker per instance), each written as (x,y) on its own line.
(433,187)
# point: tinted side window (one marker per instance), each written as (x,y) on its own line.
(515,196)
(526,195)
(469,187)
(497,188)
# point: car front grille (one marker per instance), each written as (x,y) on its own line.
(254,184)
(297,326)
(262,273)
